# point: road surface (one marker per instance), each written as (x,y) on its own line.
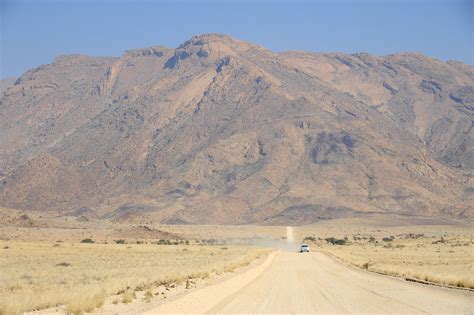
(290,282)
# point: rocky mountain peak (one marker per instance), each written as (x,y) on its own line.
(207,49)
(155,51)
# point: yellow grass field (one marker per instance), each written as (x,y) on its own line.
(448,263)
(39,275)
(44,264)
(436,253)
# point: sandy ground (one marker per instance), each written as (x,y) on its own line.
(289,282)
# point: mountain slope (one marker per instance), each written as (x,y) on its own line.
(6,83)
(224,131)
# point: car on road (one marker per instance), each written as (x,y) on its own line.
(304,248)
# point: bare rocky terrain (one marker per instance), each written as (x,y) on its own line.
(223,131)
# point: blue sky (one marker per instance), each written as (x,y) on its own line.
(34,32)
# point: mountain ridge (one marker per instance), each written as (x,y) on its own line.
(223,131)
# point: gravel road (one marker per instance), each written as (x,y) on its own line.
(290,282)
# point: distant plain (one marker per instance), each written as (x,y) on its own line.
(57,261)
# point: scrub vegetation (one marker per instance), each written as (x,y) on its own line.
(79,276)
(439,254)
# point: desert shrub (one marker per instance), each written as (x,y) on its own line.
(164,242)
(441,240)
(148,296)
(188,284)
(413,236)
(388,239)
(128,296)
(371,239)
(340,242)
(335,241)
(63,264)
(119,241)
(309,238)
(88,241)
(212,241)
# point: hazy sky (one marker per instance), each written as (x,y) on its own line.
(34,32)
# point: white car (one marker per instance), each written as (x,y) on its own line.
(304,248)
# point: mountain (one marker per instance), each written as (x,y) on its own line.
(5,83)
(223,131)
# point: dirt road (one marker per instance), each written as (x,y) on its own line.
(315,283)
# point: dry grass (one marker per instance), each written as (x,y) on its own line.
(446,263)
(441,254)
(37,275)
(128,296)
